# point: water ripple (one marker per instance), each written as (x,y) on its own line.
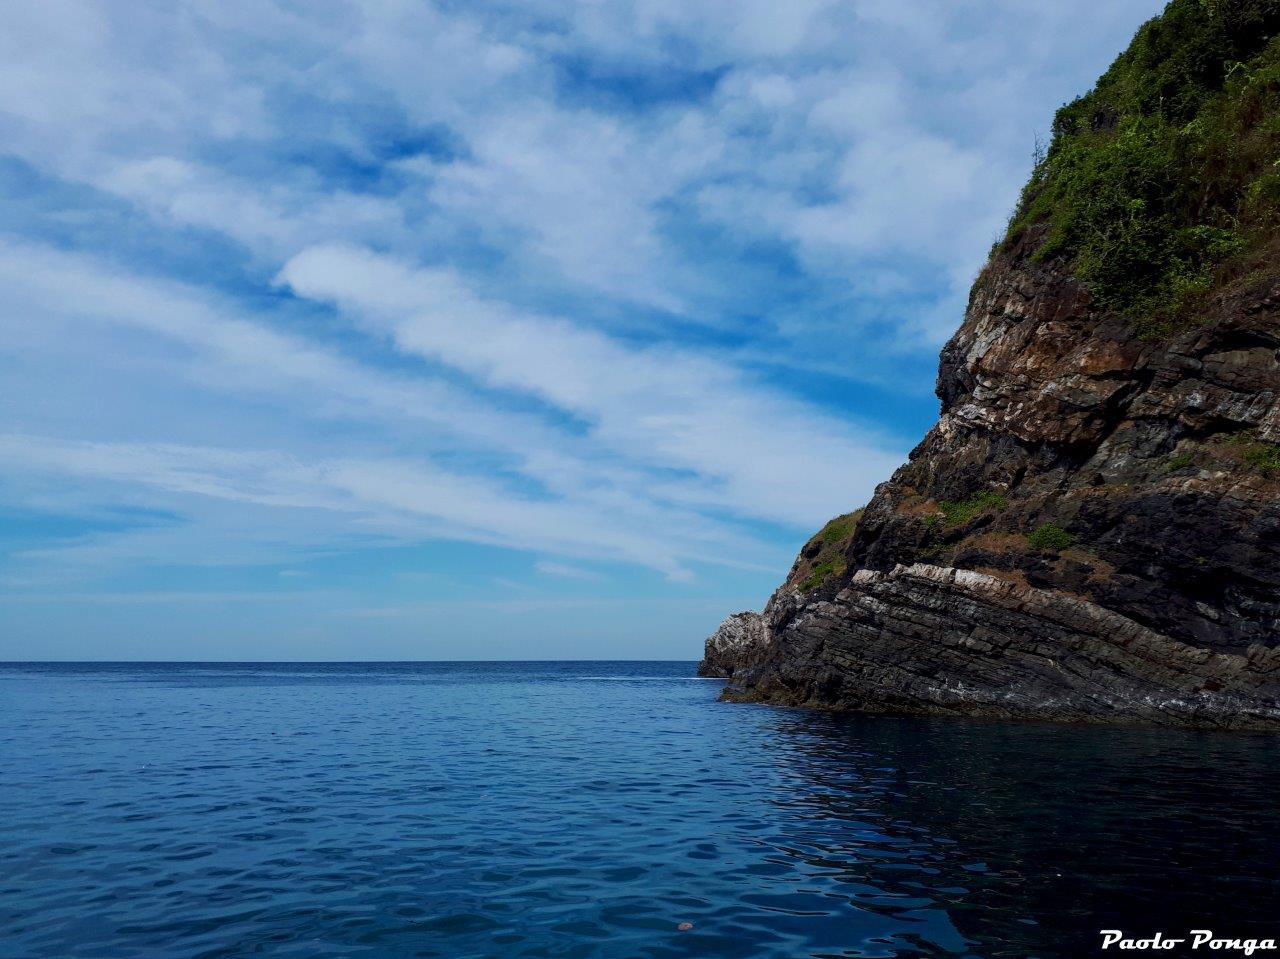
(538,810)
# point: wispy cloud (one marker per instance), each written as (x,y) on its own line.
(746,446)
(386,500)
(565,571)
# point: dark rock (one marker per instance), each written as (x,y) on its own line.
(1165,607)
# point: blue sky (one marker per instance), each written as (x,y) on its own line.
(401,330)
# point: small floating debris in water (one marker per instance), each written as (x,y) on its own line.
(685,926)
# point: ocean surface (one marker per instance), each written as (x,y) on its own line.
(588,809)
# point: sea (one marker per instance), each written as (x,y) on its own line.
(584,809)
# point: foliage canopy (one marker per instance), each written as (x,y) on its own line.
(1167,174)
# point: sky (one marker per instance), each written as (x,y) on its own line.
(480,330)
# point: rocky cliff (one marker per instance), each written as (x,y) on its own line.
(1091,532)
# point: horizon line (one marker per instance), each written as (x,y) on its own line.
(311,662)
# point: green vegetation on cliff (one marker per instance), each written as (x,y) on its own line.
(1259,455)
(823,556)
(1165,178)
(1050,537)
(960,512)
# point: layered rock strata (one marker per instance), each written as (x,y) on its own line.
(1090,532)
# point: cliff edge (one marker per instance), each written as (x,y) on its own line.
(1091,532)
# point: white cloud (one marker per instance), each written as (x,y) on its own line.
(58,296)
(390,501)
(581,191)
(273,221)
(656,404)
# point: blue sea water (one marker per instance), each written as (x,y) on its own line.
(587,809)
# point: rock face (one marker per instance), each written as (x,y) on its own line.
(1091,532)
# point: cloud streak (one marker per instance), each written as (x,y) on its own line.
(665,407)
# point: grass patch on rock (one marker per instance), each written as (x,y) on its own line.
(1258,454)
(1264,457)
(960,512)
(824,555)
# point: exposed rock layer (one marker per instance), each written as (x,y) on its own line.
(1156,595)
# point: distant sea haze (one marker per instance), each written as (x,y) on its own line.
(593,809)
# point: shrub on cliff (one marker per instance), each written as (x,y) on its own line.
(1050,537)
